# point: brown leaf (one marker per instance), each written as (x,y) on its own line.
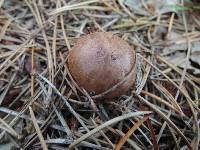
(153,135)
(10,96)
(36,66)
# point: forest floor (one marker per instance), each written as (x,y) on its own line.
(41,108)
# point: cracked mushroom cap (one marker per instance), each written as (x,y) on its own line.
(100,61)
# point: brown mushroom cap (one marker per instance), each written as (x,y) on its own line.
(99,61)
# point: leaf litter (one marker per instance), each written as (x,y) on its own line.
(41,106)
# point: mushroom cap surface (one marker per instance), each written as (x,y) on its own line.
(99,61)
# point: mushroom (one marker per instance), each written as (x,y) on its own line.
(100,61)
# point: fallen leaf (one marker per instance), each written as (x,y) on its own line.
(151,6)
(37,65)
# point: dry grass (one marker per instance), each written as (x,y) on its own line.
(41,106)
